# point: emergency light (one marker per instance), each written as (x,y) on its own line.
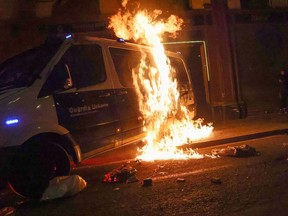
(12,121)
(121,40)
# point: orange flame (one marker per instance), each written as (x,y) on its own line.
(167,122)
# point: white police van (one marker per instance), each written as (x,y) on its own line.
(69,100)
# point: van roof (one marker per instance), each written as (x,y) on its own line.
(117,42)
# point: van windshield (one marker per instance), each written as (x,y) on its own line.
(23,69)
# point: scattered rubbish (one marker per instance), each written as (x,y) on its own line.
(64,186)
(238,151)
(116,189)
(229,151)
(216,180)
(180,180)
(163,173)
(132,179)
(7,211)
(189,201)
(147,182)
(159,167)
(123,174)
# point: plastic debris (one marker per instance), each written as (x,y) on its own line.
(238,151)
(64,186)
(7,211)
(123,174)
(147,182)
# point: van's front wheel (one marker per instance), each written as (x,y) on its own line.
(35,165)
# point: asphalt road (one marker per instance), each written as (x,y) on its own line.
(246,186)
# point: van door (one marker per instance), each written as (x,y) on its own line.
(84,98)
(184,85)
(127,101)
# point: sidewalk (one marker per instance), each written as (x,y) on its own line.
(244,129)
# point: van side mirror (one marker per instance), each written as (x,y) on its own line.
(68,82)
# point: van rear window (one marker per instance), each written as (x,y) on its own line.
(125,60)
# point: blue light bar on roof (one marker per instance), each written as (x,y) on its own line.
(68,36)
(121,40)
(12,121)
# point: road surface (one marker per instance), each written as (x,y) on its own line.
(212,186)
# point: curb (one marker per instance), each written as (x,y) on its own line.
(217,142)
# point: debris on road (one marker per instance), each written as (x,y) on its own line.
(216,180)
(7,211)
(238,151)
(64,186)
(147,182)
(163,173)
(138,161)
(180,180)
(132,179)
(122,174)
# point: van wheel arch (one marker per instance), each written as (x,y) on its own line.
(65,141)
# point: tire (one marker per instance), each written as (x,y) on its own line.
(35,165)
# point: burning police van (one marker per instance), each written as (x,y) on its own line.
(67,101)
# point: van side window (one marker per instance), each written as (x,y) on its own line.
(86,65)
(124,61)
(80,66)
(181,74)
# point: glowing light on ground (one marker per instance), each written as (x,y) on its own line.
(167,122)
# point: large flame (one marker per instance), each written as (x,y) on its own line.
(167,122)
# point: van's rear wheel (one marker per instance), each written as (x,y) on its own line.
(35,165)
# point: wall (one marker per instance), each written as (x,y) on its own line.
(262,51)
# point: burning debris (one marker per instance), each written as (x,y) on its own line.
(122,174)
(238,151)
(167,122)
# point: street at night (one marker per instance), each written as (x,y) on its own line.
(143,108)
(221,186)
